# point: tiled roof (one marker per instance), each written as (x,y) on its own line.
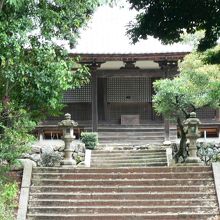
(106,34)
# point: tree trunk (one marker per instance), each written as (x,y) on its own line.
(182,152)
(4,114)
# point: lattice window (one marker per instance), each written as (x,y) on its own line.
(82,94)
(206,113)
(128,90)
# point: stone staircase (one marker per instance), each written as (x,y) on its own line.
(138,134)
(128,157)
(160,193)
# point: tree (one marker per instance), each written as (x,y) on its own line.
(197,86)
(169,19)
(35,67)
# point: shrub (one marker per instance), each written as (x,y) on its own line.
(50,159)
(208,152)
(90,139)
(8,195)
(15,137)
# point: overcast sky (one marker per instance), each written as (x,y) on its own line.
(106,33)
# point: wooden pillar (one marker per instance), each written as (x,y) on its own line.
(166,129)
(105,99)
(94,102)
(170,70)
(218,114)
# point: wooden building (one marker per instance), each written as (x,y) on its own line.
(120,91)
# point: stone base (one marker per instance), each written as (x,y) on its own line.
(68,163)
(166,144)
(193,160)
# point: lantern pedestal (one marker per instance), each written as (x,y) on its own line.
(68,153)
(68,136)
(193,158)
(191,127)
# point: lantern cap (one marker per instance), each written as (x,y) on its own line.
(192,115)
(67,122)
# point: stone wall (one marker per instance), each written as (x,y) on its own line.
(50,152)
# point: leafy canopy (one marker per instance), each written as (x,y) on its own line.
(198,85)
(35,68)
(169,19)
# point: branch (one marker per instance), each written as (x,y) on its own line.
(185,112)
(1,4)
(193,106)
(10,88)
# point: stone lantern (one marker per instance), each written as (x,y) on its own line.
(191,126)
(68,136)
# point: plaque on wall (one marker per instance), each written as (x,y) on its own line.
(130,119)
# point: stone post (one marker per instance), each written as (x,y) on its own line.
(68,136)
(191,127)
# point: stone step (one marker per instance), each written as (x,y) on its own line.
(129,150)
(125,182)
(134,134)
(87,176)
(154,124)
(105,189)
(130,216)
(124,145)
(127,156)
(134,137)
(134,142)
(145,202)
(160,193)
(134,129)
(138,164)
(121,163)
(107,160)
(124,196)
(183,169)
(137,138)
(121,209)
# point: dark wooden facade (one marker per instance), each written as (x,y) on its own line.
(124,91)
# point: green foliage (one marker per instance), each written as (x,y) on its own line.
(14,135)
(35,69)
(208,152)
(90,139)
(197,85)
(8,196)
(8,193)
(173,18)
(50,159)
(78,159)
(193,39)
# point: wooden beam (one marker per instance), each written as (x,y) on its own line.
(94,102)
(89,58)
(130,73)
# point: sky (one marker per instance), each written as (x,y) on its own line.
(106,33)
